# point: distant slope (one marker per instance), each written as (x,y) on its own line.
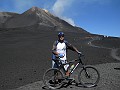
(4,16)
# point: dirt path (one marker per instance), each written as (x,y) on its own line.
(113,51)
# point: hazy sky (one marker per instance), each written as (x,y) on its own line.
(95,16)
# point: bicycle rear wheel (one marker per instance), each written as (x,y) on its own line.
(89,76)
(53,78)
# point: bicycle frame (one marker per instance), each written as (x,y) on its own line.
(79,61)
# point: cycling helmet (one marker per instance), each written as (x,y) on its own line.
(60,34)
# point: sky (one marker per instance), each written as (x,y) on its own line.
(95,16)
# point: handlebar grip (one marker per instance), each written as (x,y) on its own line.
(80,54)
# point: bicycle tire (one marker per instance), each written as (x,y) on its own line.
(55,75)
(89,76)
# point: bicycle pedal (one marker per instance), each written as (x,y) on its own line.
(72,81)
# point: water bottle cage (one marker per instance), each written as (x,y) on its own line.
(71,68)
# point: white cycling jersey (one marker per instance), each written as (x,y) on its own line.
(61,48)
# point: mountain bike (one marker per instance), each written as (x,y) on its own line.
(88,76)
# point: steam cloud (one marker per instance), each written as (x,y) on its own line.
(60,7)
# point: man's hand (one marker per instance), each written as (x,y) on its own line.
(61,55)
(79,52)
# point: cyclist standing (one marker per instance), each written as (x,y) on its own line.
(59,50)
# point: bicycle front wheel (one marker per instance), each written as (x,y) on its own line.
(53,78)
(89,76)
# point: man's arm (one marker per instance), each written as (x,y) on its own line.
(54,49)
(70,46)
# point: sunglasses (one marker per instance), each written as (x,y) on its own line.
(61,36)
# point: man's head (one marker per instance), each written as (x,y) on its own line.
(61,36)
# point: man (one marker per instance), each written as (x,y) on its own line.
(59,50)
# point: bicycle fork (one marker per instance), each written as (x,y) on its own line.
(86,73)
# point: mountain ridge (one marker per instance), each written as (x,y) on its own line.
(41,18)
